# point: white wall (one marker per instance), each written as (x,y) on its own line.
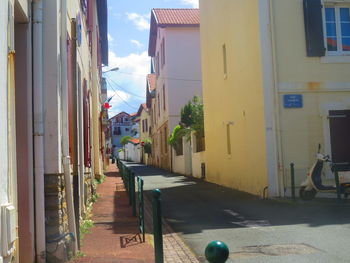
(133,152)
(3,103)
(183,63)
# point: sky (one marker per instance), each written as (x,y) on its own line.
(128,33)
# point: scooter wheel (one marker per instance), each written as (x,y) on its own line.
(307,195)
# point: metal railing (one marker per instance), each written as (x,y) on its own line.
(136,196)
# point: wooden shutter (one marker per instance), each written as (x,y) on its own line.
(87,142)
(314,28)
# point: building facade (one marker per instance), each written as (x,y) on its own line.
(282,88)
(178,77)
(121,125)
(47,48)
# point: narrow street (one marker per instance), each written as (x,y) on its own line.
(255,230)
(113,226)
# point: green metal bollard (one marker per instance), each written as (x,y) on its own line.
(292,179)
(132,194)
(157,227)
(216,252)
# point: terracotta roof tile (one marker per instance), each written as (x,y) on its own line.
(135,141)
(169,16)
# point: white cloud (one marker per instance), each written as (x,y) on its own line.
(136,43)
(130,79)
(140,21)
(192,3)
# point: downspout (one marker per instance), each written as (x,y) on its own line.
(81,166)
(65,129)
(38,129)
(280,169)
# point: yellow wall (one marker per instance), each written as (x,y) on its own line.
(145,135)
(237,98)
(323,85)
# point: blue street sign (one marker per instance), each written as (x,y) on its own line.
(293,101)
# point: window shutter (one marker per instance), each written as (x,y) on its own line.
(314,28)
(87,143)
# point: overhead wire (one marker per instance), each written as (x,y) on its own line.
(116,92)
(133,74)
(115,83)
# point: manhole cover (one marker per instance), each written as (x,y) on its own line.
(274,250)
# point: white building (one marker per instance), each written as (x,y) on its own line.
(174,46)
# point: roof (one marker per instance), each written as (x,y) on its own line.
(120,113)
(167,16)
(170,17)
(151,81)
(142,107)
(135,141)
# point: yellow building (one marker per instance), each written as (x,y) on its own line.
(280,72)
(145,124)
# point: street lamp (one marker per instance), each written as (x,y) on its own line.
(112,69)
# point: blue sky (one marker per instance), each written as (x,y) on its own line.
(128,32)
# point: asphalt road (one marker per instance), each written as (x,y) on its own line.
(255,230)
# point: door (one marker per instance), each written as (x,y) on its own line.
(339,123)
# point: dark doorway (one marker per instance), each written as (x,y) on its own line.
(339,123)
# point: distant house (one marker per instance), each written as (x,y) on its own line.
(145,127)
(121,125)
(174,45)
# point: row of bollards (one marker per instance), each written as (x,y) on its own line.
(215,252)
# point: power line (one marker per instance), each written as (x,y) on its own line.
(132,74)
(115,83)
(116,92)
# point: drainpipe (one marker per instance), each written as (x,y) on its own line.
(65,130)
(81,166)
(38,128)
(276,104)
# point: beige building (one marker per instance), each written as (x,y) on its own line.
(280,69)
(46,50)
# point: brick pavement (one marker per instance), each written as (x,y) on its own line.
(114,223)
(175,250)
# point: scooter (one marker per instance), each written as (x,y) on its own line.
(313,182)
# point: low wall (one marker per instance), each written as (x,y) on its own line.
(197,160)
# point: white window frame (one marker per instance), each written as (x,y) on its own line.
(337,6)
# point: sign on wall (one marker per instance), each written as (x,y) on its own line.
(293,101)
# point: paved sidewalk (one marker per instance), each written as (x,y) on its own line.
(114,223)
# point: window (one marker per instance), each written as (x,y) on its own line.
(158,106)
(337,28)
(126,129)
(157,64)
(228,137)
(162,50)
(224,60)
(165,140)
(146,123)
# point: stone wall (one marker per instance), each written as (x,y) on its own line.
(56,215)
